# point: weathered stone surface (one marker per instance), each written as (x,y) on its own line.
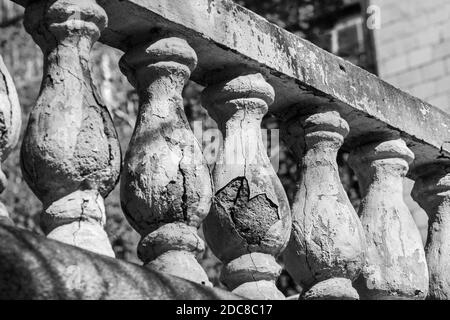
(297,70)
(10,114)
(33,267)
(432,192)
(181,263)
(252,276)
(172,236)
(225,35)
(395,266)
(327,240)
(70,151)
(78,219)
(10,123)
(332,289)
(250,210)
(260,267)
(166,186)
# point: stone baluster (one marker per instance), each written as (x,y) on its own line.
(249,224)
(70,154)
(166,186)
(10,123)
(395,266)
(326,250)
(432,192)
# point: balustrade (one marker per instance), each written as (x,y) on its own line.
(71,157)
(70,153)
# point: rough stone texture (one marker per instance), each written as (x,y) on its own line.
(10,123)
(172,236)
(250,210)
(252,276)
(63,218)
(33,267)
(220,33)
(327,240)
(225,35)
(165,183)
(70,144)
(395,266)
(10,115)
(432,192)
(331,289)
(413,48)
(252,217)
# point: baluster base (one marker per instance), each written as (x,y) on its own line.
(332,289)
(182,264)
(173,248)
(84,234)
(259,290)
(253,276)
(78,220)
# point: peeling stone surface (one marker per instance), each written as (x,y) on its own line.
(166,186)
(327,239)
(70,151)
(432,192)
(395,266)
(252,218)
(250,209)
(10,123)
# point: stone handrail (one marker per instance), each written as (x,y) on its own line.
(71,157)
(33,267)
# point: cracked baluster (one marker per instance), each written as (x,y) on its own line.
(70,153)
(432,192)
(249,223)
(395,266)
(326,249)
(166,186)
(10,123)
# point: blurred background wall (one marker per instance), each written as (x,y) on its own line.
(413,48)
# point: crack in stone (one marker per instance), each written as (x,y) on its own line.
(80,220)
(184,197)
(309,264)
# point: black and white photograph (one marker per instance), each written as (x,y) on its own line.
(237,157)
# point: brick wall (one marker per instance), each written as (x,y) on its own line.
(413,48)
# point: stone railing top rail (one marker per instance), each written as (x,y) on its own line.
(37,268)
(225,36)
